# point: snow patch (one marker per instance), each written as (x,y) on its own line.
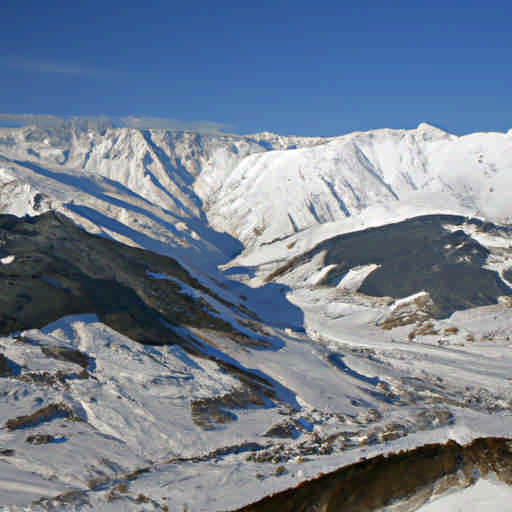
(486,495)
(320,274)
(355,277)
(419,297)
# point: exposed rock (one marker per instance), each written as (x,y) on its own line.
(283,430)
(61,270)
(6,367)
(48,413)
(40,439)
(406,479)
(417,308)
(67,354)
(208,413)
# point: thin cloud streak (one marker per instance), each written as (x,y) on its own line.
(53,67)
(103,122)
(161,123)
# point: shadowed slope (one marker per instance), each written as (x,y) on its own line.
(59,269)
(414,255)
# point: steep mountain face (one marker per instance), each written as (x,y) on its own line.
(259,188)
(348,175)
(130,184)
(182,313)
(160,166)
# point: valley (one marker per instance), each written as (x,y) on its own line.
(196,322)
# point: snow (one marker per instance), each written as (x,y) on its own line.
(485,496)
(137,409)
(408,300)
(320,274)
(257,189)
(18,487)
(355,277)
(240,207)
(346,176)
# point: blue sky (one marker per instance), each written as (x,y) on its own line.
(306,68)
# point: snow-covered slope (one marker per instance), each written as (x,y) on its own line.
(147,428)
(160,166)
(262,187)
(273,194)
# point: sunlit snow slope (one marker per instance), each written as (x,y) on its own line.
(259,188)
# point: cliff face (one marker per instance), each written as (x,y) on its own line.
(398,482)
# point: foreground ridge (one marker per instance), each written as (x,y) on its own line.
(407,479)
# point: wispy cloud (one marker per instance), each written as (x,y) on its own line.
(163,123)
(46,66)
(29,119)
(100,122)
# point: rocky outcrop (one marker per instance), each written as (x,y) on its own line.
(404,480)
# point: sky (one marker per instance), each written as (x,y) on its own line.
(290,67)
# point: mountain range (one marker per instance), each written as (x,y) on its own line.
(195,321)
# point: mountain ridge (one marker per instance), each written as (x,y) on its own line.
(332,178)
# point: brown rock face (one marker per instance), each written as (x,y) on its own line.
(406,479)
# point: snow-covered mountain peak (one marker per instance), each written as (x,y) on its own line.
(265,186)
(274,194)
(431,129)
